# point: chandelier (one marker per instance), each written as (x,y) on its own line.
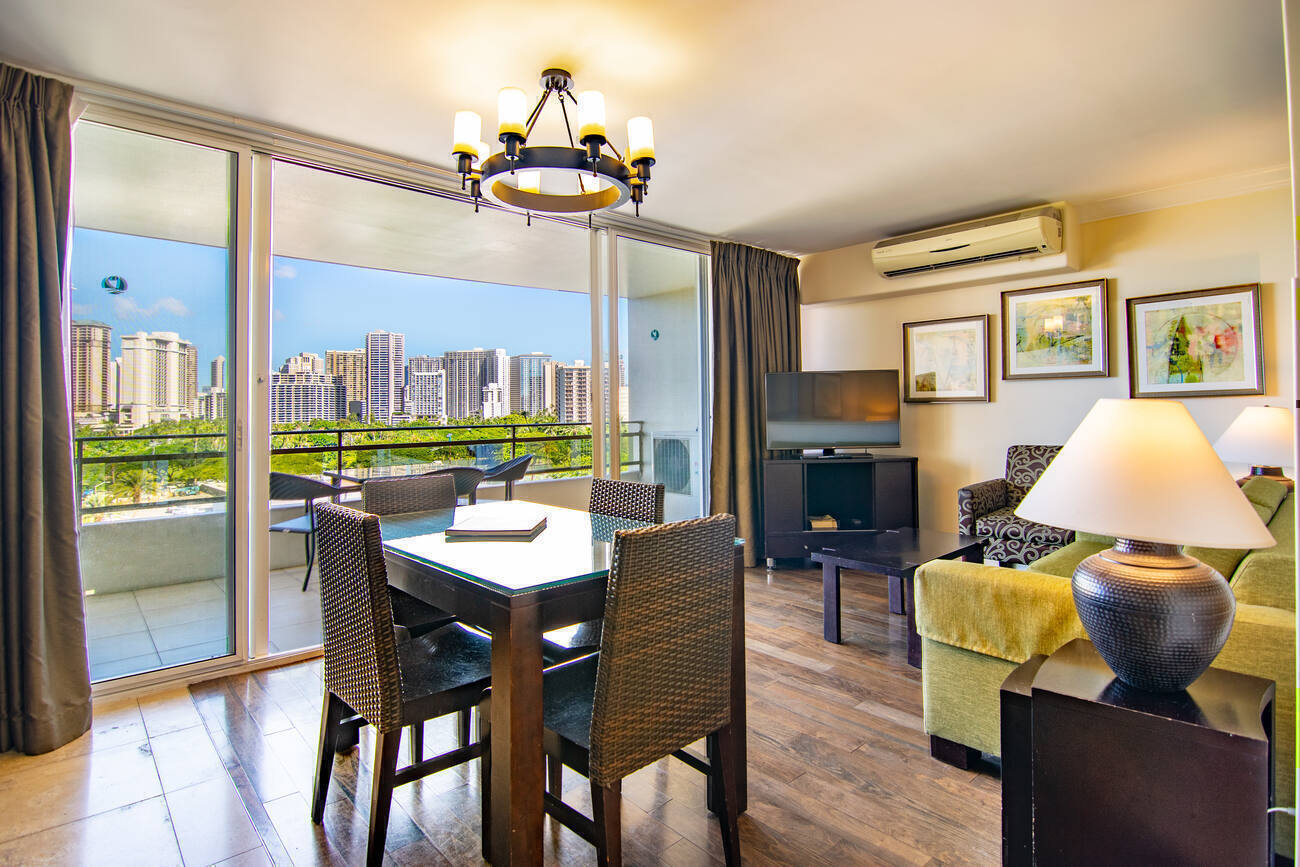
(580,178)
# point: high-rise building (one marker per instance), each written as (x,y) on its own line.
(385,374)
(495,402)
(303,362)
(349,367)
(217,372)
(573,392)
(469,371)
(212,403)
(92,369)
(622,386)
(428,389)
(532,391)
(159,377)
(302,397)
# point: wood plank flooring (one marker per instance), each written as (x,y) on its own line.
(840,771)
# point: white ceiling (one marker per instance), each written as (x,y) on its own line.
(797,126)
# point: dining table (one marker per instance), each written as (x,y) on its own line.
(515,591)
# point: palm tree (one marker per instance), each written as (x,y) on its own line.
(133,483)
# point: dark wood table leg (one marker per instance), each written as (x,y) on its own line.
(896,603)
(517,763)
(974,554)
(739,724)
(831,602)
(909,602)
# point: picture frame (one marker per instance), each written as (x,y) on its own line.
(1056,332)
(1204,343)
(946,360)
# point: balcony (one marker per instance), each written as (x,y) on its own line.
(155,541)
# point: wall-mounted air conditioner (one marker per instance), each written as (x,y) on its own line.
(1017,235)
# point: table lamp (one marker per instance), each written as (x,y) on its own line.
(1262,436)
(1142,471)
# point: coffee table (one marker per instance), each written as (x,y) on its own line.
(894,554)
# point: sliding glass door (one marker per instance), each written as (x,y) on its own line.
(149,360)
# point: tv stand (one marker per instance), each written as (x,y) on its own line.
(864,494)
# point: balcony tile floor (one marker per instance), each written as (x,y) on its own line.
(141,630)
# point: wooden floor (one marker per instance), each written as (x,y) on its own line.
(840,770)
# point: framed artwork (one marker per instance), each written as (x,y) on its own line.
(1196,344)
(1055,332)
(946,360)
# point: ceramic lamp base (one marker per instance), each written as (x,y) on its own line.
(1157,616)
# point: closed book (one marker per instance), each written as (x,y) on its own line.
(515,525)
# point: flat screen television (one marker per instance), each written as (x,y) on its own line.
(830,409)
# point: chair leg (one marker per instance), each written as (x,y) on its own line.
(415,740)
(462,728)
(382,772)
(724,748)
(606,802)
(309,543)
(554,776)
(330,713)
(484,719)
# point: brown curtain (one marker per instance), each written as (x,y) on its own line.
(755,332)
(44,676)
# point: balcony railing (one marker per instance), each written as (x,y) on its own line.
(165,470)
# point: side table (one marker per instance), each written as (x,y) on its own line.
(1094,771)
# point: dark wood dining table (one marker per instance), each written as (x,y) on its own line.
(516,591)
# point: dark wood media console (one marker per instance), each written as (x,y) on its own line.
(864,494)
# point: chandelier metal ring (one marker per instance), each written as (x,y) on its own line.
(556,159)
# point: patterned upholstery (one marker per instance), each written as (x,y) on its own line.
(408,494)
(640,501)
(356,617)
(1013,539)
(987,509)
(664,676)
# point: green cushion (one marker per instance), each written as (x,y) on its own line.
(1283,526)
(1094,537)
(1265,493)
(1266,578)
(1063,561)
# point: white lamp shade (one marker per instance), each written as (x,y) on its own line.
(512,111)
(640,139)
(591,114)
(1261,436)
(465,132)
(1142,469)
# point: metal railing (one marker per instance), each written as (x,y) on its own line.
(366,446)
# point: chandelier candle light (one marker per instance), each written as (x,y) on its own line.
(588,176)
(1142,472)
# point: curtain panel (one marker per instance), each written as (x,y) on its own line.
(755,332)
(44,675)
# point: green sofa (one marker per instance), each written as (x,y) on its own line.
(977,623)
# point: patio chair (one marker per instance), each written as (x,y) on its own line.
(509,472)
(466,480)
(285,486)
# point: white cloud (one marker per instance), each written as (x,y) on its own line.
(277,315)
(285,271)
(127,308)
(82,309)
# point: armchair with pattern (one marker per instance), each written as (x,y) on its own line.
(987,509)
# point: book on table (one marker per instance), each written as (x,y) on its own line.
(515,525)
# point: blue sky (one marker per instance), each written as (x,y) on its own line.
(174,286)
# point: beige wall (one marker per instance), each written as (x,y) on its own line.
(1244,239)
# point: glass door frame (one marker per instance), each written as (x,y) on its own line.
(238,409)
(610,289)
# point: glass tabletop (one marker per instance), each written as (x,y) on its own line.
(392,471)
(574,546)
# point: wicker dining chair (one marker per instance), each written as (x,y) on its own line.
(614,498)
(415,494)
(661,681)
(285,486)
(466,479)
(372,679)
